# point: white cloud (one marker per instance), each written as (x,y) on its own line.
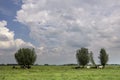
(62,26)
(9,45)
(5,34)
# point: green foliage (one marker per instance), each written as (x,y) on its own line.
(103,57)
(91,59)
(25,57)
(82,56)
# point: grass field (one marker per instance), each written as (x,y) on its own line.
(59,73)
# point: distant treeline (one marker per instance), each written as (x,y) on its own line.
(50,64)
(8,64)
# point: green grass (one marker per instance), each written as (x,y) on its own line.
(59,73)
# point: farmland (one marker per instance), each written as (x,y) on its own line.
(59,73)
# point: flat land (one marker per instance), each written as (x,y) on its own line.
(59,73)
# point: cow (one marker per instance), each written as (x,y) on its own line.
(88,67)
(77,67)
(99,67)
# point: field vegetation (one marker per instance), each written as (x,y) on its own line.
(59,73)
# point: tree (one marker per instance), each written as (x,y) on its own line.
(82,56)
(103,57)
(25,57)
(91,59)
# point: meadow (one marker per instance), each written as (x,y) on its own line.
(59,73)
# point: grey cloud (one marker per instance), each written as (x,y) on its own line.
(66,25)
(4,38)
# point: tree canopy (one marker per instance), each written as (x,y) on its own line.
(92,59)
(25,57)
(82,56)
(103,57)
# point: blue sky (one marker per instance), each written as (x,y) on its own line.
(57,28)
(8,9)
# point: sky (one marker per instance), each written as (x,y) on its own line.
(57,28)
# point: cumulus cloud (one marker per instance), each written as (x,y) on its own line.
(9,45)
(7,40)
(62,26)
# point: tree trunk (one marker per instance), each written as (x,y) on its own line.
(83,66)
(28,66)
(103,66)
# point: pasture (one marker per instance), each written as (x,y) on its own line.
(59,73)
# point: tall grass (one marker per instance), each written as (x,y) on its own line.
(59,73)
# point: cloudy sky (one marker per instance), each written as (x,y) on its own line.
(57,28)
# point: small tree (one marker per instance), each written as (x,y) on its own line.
(25,57)
(82,56)
(103,57)
(91,59)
